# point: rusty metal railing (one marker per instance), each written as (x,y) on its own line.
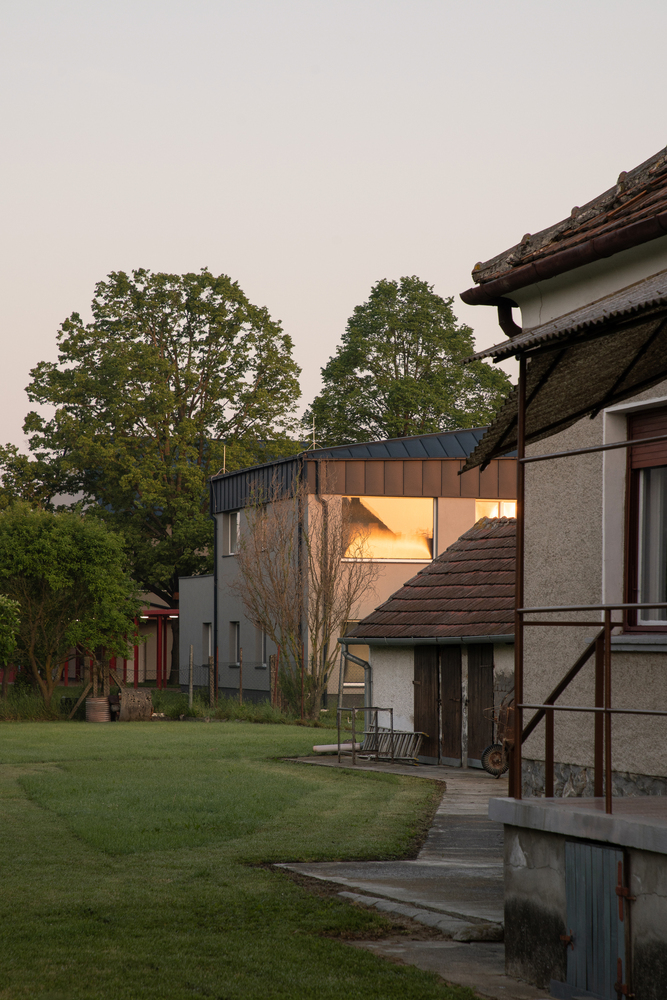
(602,710)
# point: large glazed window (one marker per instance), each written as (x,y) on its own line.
(389,528)
(652,543)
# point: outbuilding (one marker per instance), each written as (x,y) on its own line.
(442,646)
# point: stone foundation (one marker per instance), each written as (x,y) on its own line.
(574,781)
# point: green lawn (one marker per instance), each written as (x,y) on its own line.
(129,865)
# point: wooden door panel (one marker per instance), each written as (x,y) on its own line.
(426,698)
(450,697)
(480,699)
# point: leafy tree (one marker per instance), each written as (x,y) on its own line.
(172,370)
(399,371)
(68,575)
(9,626)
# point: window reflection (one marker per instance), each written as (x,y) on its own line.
(389,527)
(495,508)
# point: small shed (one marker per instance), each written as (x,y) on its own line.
(442,647)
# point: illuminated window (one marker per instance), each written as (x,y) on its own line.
(495,508)
(389,527)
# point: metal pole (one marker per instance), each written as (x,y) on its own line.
(341,678)
(607,714)
(277,672)
(549,756)
(302,669)
(519,588)
(598,758)
(158,653)
(240,675)
(354,739)
(211,682)
(192,656)
(391,719)
(136,659)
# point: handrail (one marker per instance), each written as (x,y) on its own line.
(561,686)
(590,607)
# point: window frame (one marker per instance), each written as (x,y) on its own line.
(389,559)
(631,621)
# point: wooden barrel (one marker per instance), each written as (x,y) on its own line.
(97,710)
(135,706)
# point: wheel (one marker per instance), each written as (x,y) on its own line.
(494,760)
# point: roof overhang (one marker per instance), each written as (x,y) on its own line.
(488,293)
(581,364)
(449,640)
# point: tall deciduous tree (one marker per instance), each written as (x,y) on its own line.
(68,574)
(172,370)
(399,371)
(9,627)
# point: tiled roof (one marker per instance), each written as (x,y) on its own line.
(466,591)
(638,195)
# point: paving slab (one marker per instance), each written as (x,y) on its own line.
(479,966)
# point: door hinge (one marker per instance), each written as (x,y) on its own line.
(568,939)
(620,987)
(623,893)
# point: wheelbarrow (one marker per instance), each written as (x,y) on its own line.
(495,759)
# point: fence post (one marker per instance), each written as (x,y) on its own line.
(211,681)
(192,653)
(240,675)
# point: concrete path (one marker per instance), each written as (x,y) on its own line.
(458,872)
(455,885)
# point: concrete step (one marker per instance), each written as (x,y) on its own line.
(452,926)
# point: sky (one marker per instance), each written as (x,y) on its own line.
(306,148)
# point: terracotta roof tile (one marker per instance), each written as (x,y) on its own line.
(467,590)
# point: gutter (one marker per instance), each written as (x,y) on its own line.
(488,293)
(449,640)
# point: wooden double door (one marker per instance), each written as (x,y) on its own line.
(445,702)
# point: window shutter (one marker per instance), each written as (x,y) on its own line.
(648,423)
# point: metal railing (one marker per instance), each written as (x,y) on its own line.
(602,710)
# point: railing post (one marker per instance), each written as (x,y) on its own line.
(607,713)
(549,755)
(354,736)
(519,589)
(598,759)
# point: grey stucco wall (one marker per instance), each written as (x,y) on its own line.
(535,906)
(536,912)
(567,549)
(230,609)
(196,608)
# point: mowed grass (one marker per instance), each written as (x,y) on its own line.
(130,865)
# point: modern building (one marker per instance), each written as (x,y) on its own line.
(406,495)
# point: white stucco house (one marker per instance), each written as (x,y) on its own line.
(586,826)
(441,648)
